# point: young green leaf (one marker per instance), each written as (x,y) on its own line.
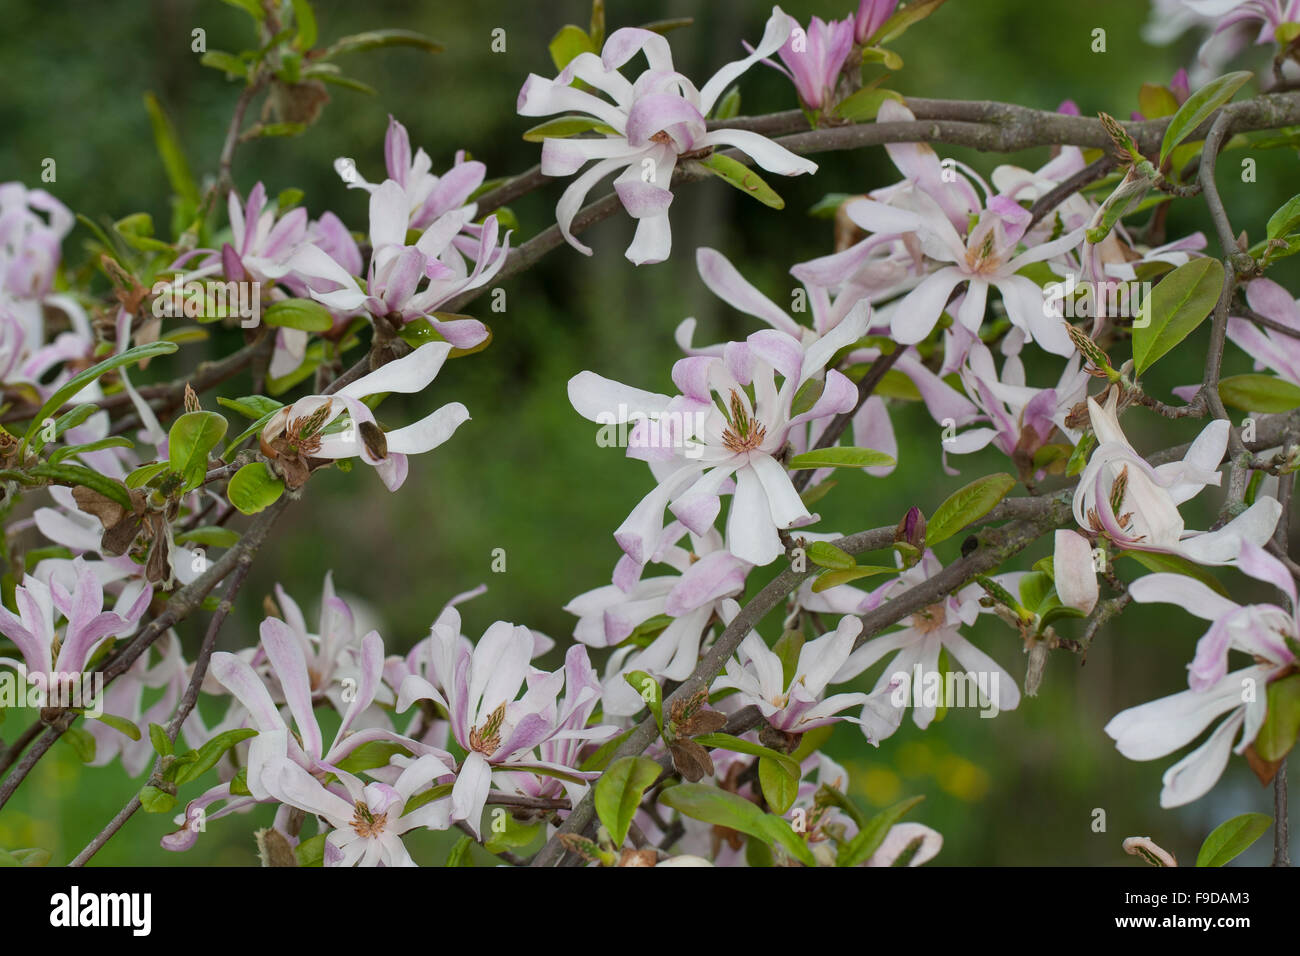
(832,578)
(254,488)
(965,505)
(1198,107)
(721,808)
(840,457)
(305,314)
(1253,392)
(827,555)
(619,791)
(1175,307)
(189,443)
(1231,838)
(211,752)
(869,838)
(743,178)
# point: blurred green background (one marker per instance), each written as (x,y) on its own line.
(525,474)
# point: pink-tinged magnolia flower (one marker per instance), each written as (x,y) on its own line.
(797,705)
(429,197)
(64,652)
(735,437)
(814,59)
(1022,419)
(409,374)
(651,124)
(405,281)
(125,698)
(1264,631)
(909,676)
(32,227)
(607,616)
(1267,347)
(478,688)
(921,842)
(367,820)
(263,240)
(1134,504)
(872,15)
(1268,14)
(986,257)
(1074,571)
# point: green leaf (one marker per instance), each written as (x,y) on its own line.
(965,505)
(82,743)
(311,851)
(741,746)
(162,745)
(1259,393)
(1285,220)
(862,106)
(565,126)
(77,475)
(376,753)
(832,578)
(254,488)
(228,63)
(1034,588)
(897,24)
(567,43)
(728,105)
(827,555)
(779,785)
(721,808)
(650,692)
(1231,838)
(210,536)
(1156,101)
(459,855)
(1158,561)
(306,314)
(1175,307)
(154,800)
(840,457)
(145,473)
(787,648)
(120,724)
(743,178)
(190,441)
(514,836)
(869,838)
(169,148)
(211,752)
(619,791)
(251,406)
(1198,107)
(1278,734)
(247,433)
(31,856)
(376,39)
(306,21)
(825,208)
(69,451)
(74,385)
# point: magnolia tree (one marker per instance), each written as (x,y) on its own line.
(688,720)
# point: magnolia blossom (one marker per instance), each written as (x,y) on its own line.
(985,257)
(478,688)
(872,15)
(695,444)
(1268,14)
(302,431)
(706,575)
(63,653)
(1268,347)
(264,241)
(367,820)
(1135,504)
(406,282)
(33,225)
(918,644)
(814,58)
(1264,631)
(797,705)
(649,124)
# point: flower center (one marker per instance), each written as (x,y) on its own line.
(930,619)
(368,824)
(486,738)
(743,433)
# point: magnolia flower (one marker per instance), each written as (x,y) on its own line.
(1269,14)
(797,705)
(814,59)
(910,675)
(1264,631)
(392,291)
(428,197)
(696,444)
(1267,347)
(985,257)
(65,655)
(1134,504)
(1021,419)
(607,616)
(478,689)
(872,15)
(298,434)
(367,820)
(264,241)
(33,225)
(649,125)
